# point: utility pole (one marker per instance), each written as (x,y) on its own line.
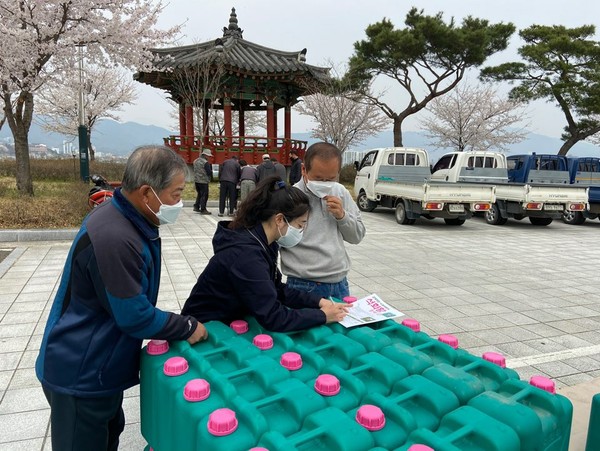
(84,162)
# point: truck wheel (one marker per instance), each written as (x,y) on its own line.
(364,204)
(494,217)
(540,221)
(401,217)
(573,217)
(454,221)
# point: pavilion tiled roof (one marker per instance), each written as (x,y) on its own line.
(239,55)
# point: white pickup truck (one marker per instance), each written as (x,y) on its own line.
(533,186)
(400,178)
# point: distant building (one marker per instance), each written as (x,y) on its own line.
(350,156)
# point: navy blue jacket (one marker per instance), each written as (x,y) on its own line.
(242,279)
(296,171)
(105,305)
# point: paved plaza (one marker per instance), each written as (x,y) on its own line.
(530,293)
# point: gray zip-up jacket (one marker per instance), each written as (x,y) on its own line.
(321,255)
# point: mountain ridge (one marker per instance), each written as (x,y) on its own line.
(120,138)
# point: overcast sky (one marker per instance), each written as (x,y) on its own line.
(328,29)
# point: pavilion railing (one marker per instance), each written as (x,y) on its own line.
(250,148)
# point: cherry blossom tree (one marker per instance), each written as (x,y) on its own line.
(40,39)
(106,91)
(474,117)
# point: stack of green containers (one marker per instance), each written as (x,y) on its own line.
(384,386)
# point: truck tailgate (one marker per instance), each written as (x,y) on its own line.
(438,191)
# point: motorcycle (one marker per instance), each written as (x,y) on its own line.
(100,192)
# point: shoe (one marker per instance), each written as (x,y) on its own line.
(205,212)
(220,215)
(196,210)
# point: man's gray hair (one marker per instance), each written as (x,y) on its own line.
(152,165)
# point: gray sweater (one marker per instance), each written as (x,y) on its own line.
(321,255)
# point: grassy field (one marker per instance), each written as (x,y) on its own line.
(60,199)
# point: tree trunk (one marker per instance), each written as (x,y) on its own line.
(398,131)
(19,122)
(564,149)
(89,145)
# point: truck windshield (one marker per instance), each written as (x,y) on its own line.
(368,160)
(446,162)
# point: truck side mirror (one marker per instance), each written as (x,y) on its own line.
(356,165)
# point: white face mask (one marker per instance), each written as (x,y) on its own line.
(167,214)
(320,189)
(292,237)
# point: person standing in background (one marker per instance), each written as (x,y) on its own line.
(202,177)
(266,168)
(296,168)
(229,177)
(279,169)
(320,263)
(248,179)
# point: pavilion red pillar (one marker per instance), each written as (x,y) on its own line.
(227,120)
(287,130)
(270,122)
(205,124)
(189,125)
(182,125)
(242,118)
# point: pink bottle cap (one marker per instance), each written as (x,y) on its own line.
(420,448)
(175,366)
(495,357)
(327,385)
(450,340)
(349,299)
(239,326)
(196,390)
(263,342)
(258,448)
(370,417)
(412,324)
(157,347)
(222,422)
(291,361)
(544,383)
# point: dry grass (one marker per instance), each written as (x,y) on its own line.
(60,200)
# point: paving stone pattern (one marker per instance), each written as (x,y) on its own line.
(531,293)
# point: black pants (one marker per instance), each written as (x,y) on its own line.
(228,190)
(201,197)
(90,424)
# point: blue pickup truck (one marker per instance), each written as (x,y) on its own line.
(538,188)
(585,171)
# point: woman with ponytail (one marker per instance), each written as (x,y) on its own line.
(242,277)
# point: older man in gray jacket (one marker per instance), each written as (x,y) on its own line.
(320,263)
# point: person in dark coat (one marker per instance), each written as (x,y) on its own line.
(266,168)
(202,177)
(229,177)
(296,168)
(242,277)
(279,169)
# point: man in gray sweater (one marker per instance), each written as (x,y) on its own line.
(320,263)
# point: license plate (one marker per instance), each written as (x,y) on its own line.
(553,207)
(456,208)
